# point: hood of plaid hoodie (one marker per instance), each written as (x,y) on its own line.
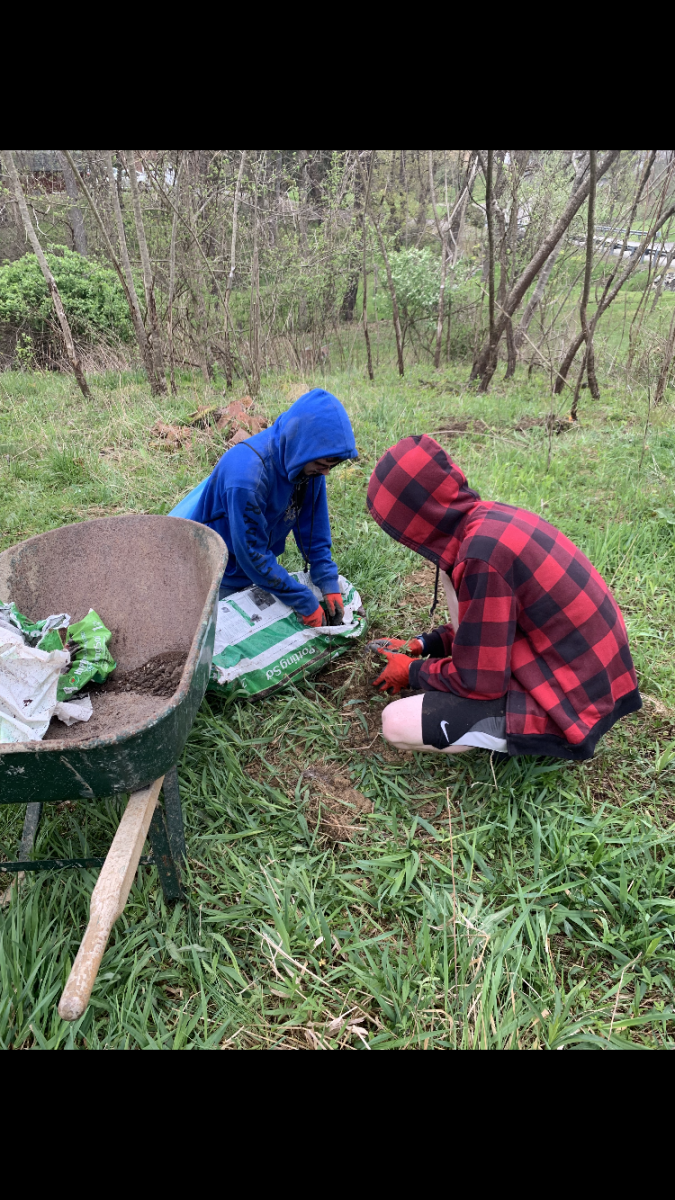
(420,497)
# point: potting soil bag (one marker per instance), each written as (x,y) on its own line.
(261,643)
(92,661)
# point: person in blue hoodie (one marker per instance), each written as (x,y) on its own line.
(273,483)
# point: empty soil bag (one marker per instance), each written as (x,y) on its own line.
(261,644)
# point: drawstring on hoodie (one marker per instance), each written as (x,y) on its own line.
(311,532)
(432,610)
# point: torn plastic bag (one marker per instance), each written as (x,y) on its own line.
(261,644)
(42,634)
(29,679)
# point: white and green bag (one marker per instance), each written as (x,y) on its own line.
(261,643)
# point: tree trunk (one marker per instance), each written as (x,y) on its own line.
(484,366)
(349,299)
(456,218)
(124,275)
(421,222)
(75,216)
(303,190)
(199,290)
(444,263)
(512,353)
(352,290)
(148,279)
(392,293)
(538,293)
(364,233)
(634,333)
(71,352)
(390,282)
(662,279)
(536,297)
(195,241)
(172,287)
(254,310)
(606,299)
(230,277)
(491,360)
(128,278)
(489,211)
(583,307)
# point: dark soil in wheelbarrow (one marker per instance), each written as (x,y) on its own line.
(127,699)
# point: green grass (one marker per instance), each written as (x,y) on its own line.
(542,917)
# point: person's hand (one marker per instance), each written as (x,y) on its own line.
(412,645)
(315,619)
(396,674)
(334,604)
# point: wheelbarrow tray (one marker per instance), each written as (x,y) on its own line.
(154,582)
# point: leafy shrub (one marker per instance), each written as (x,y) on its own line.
(92,297)
(417,279)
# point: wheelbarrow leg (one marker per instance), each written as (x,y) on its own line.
(167,866)
(109,898)
(173,814)
(30,828)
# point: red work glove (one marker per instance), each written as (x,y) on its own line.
(413,645)
(334,603)
(396,674)
(315,619)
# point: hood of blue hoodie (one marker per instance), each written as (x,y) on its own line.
(316,426)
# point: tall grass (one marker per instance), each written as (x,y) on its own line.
(517,904)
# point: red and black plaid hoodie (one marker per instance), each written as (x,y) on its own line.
(536,621)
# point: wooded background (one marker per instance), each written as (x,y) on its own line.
(239,262)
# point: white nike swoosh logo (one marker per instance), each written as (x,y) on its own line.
(444,727)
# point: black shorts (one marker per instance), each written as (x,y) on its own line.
(448,719)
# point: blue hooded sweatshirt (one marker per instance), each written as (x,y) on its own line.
(257,493)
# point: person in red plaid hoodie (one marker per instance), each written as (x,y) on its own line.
(535,659)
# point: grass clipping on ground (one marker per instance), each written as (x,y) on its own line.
(339,894)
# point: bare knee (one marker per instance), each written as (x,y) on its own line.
(391,725)
(402,724)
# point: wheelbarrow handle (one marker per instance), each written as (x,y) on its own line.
(109,898)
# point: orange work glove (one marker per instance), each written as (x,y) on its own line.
(413,645)
(315,619)
(334,604)
(396,674)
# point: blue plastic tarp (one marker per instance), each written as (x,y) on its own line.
(188,504)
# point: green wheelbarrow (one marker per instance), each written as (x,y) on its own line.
(154,582)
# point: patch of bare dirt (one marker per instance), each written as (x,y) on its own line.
(461,428)
(556,424)
(427,810)
(334,804)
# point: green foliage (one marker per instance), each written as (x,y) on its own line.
(92,297)
(638,282)
(417,280)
